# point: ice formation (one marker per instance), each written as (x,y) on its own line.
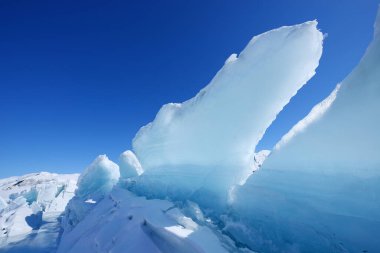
(129,165)
(98,179)
(316,113)
(320,191)
(30,207)
(94,184)
(212,137)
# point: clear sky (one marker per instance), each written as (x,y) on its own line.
(79,78)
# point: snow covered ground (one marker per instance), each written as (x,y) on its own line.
(123,222)
(30,208)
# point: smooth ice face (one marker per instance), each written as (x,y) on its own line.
(319,191)
(129,165)
(223,123)
(99,178)
(201,148)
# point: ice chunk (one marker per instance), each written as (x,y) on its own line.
(225,120)
(320,191)
(98,179)
(202,147)
(94,183)
(129,165)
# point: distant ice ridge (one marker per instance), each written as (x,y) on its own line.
(319,191)
(201,148)
(30,207)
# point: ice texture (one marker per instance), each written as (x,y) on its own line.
(205,145)
(98,178)
(95,183)
(129,165)
(30,209)
(319,191)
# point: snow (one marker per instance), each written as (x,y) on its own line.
(320,191)
(201,148)
(123,222)
(30,207)
(259,158)
(129,165)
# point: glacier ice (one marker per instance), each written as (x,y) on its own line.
(319,190)
(212,137)
(316,113)
(94,184)
(241,101)
(98,178)
(129,165)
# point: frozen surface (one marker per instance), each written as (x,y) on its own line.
(319,191)
(30,207)
(123,222)
(201,148)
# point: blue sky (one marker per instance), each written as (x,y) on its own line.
(79,78)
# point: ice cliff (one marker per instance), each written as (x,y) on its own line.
(319,190)
(212,137)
